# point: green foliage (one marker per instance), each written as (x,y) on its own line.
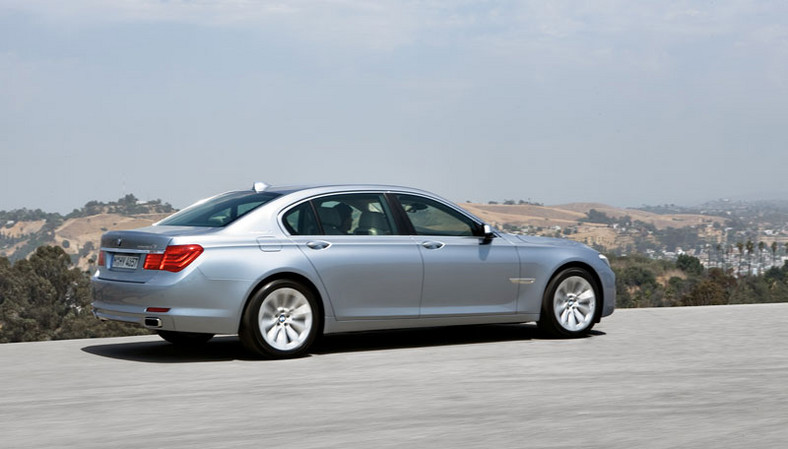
(689,264)
(127,205)
(24,215)
(595,216)
(643,282)
(44,298)
(637,276)
(706,293)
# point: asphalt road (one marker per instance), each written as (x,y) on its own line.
(705,377)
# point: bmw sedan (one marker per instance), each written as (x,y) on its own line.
(280,266)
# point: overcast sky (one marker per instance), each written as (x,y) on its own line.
(621,102)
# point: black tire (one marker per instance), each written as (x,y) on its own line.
(282,320)
(571,304)
(185,339)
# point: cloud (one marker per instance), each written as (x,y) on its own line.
(394,23)
(359,23)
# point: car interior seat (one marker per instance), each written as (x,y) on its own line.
(373,223)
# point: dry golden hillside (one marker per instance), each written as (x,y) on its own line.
(551,220)
(569,215)
(81,231)
(24,227)
(78,236)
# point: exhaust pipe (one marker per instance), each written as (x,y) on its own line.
(152,322)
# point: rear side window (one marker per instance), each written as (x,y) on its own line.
(343,214)
(354,214)
(300,220)
(220,210)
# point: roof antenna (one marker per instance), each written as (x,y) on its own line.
(260,186)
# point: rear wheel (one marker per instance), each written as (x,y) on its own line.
(282,320)
(186,339)
(570,304)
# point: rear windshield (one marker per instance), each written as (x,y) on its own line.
(220,210)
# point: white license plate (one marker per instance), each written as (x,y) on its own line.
(124,261)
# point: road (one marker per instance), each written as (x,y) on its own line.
(650,378)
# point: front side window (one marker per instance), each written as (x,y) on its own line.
(220,210)
(354,214)
(430,217)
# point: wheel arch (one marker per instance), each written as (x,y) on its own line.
(290,276)
(597,281)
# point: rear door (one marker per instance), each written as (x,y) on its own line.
(463,274)
(368,270)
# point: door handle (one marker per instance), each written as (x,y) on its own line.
(432,244)
(318,244)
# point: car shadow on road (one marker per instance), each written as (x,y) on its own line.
(228,348)
(219,349)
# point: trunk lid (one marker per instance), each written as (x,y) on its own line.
(125,251)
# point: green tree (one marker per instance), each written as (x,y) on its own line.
(45,298)
(689,264)
(761,247)
(774,253)
(706,293)
(740,247)
(750,248)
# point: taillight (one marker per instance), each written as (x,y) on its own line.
(102,259)
(157,309)
(175,258)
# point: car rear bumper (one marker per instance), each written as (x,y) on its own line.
(195,304)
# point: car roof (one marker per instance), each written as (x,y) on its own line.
(326,188)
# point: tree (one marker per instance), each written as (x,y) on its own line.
(719,252)
(595,216)
(761,247)
(45,298)
(706,293)
(750,248)
(740,247)
(774,253)
(689,264)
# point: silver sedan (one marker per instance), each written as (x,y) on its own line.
(280,266)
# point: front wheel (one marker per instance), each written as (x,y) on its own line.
(282,320)
(570,304)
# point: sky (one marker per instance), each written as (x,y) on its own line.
(619,102)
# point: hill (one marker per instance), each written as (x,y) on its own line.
(78,233)
(605,227)
(656,231)
(573,213)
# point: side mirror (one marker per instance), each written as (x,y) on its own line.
(488,234)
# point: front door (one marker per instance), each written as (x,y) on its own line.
(463,274)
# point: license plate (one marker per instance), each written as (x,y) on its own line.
(125,261)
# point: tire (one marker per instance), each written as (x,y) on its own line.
(282,320)
(570,305)
(185,339)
